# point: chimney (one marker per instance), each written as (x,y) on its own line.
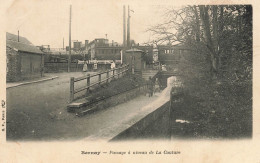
(124,40)
(86,43)
(128,29)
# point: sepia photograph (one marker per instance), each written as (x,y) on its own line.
(122,72)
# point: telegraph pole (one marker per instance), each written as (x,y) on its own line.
(69,61)
(18,36)
(124,27)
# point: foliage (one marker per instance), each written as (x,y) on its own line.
(216,68)
(218,35)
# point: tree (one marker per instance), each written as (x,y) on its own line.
(220,34)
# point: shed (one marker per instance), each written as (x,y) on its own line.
(135,58)
(24,60)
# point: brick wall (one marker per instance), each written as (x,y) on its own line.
(13,65)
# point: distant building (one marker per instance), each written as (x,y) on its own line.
(168,54)
(101,49)
(148,52)
(24,60)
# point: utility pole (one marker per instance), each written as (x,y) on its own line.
(69,61)
(63,43)
(124,27)
(18,35)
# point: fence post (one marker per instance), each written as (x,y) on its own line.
(71,89)
(133,68)
(88,82)
(113,73)
(171,115)
(128,69)
(118,72)
(99,78)
(107,76)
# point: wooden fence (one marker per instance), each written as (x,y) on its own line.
(62,67)
(115,73)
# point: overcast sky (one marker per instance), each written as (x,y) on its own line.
(47,22)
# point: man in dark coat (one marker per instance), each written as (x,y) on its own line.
(150,86)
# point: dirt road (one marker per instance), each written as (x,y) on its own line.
(38,112)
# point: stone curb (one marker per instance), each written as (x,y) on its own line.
(31,82)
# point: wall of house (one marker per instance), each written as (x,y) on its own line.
(108,53)
(30,65)
(13,65)
(148,51)
(138,60)
(168,55)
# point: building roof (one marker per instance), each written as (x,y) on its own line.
(13,37)
(23,45)
(177,46)
(134,50)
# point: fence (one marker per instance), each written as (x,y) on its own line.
(119,71)
(62,67)
(53,67)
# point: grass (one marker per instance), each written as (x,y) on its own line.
(215,111)
(114,87)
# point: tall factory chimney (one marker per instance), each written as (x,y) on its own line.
(128,28)
(69,60)
(124,41)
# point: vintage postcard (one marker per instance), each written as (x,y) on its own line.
(129,81)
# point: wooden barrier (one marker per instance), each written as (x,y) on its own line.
(115,73)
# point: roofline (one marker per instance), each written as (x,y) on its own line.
(24,44)
(25,51)
(30,52)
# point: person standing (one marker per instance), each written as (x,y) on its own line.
(95,65)
(85,67)
(113,65)
(150,86)
(157,86)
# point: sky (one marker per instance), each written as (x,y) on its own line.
(47,22)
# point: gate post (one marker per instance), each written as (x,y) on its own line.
(107,76)
(127,67)
(171,119)
(113,73)
(118,72)
(71,89)
(99,78)
(88,82)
